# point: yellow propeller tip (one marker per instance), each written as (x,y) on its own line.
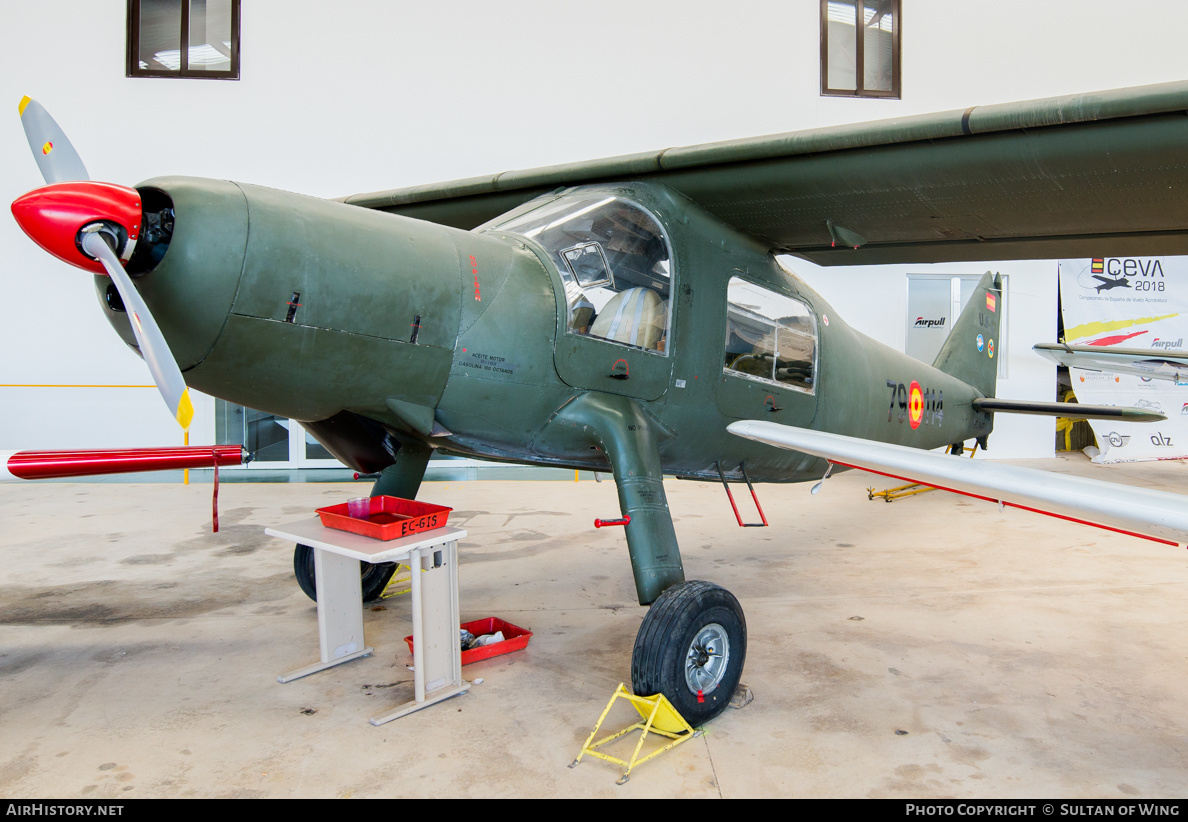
(24,102)
(185,410)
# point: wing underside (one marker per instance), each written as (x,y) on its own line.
(1086,175)
(1154,515)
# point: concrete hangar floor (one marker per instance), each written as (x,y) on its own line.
(933,647)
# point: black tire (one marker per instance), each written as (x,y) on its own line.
(671,649)
(374,577)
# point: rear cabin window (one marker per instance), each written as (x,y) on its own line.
(615,263)
(769,337)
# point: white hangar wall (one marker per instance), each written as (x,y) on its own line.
(370,94)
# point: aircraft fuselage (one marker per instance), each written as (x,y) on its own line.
(373,329)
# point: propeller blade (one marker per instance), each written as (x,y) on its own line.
(157,355)
(55,155)
(54,215)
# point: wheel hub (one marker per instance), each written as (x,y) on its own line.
(707,659)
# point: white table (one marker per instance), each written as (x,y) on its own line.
(433,558)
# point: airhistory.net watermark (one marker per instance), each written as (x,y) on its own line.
(64,809)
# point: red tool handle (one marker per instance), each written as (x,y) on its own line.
(599,523)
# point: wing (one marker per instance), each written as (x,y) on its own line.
(1139,512)
(1141,362)
(1078,176)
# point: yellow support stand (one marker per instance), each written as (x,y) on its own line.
(901,491)
(1067,426)
(657,712)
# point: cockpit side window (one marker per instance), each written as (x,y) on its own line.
(588,264)
(769,337)
(615,262)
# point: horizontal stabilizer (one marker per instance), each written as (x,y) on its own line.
(1071,410)
(1139,512)
(1154,364)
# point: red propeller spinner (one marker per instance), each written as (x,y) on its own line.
(54,215)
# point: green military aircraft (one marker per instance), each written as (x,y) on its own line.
(618,315)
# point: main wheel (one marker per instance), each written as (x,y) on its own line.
(691,648)
(373,577)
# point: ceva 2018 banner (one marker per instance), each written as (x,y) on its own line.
(1129,302)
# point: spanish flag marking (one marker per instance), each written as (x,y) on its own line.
(1098,265)
(47,148)
(990,301)
(915,405)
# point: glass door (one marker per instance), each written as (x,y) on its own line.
(306,452)
(275,442)
(934,302)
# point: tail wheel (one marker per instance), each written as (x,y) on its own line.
(373,577)
(691,648)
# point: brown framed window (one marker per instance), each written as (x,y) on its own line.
(860,48)
(183,38)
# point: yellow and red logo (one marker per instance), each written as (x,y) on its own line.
(47,148)
(915,405)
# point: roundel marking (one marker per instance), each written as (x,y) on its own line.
(990,348)
(981,342)
(915,405)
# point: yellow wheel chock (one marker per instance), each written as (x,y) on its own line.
(657,712)
(401,579)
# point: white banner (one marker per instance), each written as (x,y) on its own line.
(1129,302)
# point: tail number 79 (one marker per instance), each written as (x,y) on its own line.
(915,404)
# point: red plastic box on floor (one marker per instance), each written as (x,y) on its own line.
(515,638)
(390,518)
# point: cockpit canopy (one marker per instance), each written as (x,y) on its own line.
(615,262)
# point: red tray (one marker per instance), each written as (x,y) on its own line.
(390,518)
(515,638)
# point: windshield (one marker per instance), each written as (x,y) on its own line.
(615,262)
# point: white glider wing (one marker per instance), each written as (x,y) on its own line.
(1154,515)
(1141,362)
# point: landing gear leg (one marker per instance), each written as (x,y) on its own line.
(693,641)
(400,479)
(403,477)
(620,428)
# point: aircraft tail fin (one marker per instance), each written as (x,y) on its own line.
(971,352)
